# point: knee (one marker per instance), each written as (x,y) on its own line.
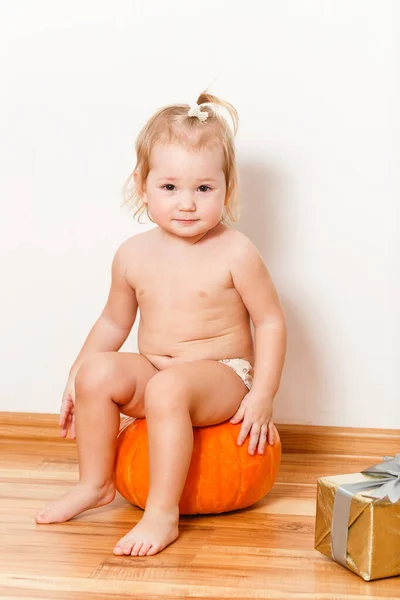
(94,373)
(166,391)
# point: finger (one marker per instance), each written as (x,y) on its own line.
(238,416)
(244,430)
(65,409)
(63,419)
(68,421)
(63,415)
(254,437)
(263,439)
(277,438)
(67,424)
(271,433)
(64,431)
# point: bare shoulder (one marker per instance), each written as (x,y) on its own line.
(131,251)
(239,247)
(134,245)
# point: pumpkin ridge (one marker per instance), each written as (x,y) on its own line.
(240,481)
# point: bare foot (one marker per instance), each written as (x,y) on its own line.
(153,533)
(78,499)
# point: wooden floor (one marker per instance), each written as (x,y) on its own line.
(262,552)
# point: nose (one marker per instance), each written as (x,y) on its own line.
(186,203)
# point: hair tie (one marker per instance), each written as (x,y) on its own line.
(194,111)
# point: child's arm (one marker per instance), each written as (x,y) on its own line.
(115,322)
(254,284)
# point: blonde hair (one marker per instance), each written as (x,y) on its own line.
(172,124)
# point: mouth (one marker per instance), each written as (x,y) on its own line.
(186,220)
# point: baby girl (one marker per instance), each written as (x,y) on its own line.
(197,284)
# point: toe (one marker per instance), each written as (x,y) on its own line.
(136,548)
(152,550)
(144,549)
(123,546)
(41,517)
(127,549)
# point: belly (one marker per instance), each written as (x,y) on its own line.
(175,342)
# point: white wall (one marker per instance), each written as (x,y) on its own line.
(317,88)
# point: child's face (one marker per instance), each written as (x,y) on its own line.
(185,190)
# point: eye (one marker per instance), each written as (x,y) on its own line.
(168,187)
(204,186)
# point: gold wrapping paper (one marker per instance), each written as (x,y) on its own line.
(373,548)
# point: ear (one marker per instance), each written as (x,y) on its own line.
(140,187)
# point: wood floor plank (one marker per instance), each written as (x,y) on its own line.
(282,590)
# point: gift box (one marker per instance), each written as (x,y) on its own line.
(358,519)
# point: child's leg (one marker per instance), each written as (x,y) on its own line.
(198,393)
(106,383)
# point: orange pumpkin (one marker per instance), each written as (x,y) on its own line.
(222,475)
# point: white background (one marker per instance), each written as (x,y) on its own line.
(316,84)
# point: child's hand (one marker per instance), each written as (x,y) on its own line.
(67,418)
(256,411)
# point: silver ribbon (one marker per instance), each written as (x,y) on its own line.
(387,486)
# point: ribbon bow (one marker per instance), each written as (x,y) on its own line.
(195,111)
(386,486)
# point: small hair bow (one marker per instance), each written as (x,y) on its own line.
(195,111)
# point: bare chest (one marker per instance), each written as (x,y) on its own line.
(182,285)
